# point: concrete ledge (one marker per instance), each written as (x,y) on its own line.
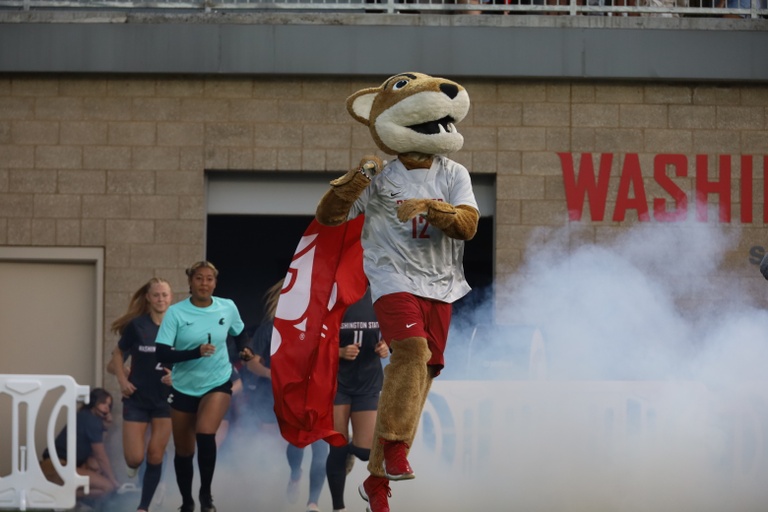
(520,46)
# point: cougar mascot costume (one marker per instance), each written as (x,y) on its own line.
(419,209)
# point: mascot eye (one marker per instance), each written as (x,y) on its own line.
(399,84)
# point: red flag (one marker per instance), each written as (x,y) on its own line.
(325,277)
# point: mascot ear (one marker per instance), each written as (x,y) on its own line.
(359,104)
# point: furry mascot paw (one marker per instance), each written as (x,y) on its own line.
(457,222)
(335,205)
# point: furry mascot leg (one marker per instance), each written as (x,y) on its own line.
(424,395)
(406,385)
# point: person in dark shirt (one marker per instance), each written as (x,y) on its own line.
(90,457)
(360,379)
(145,396)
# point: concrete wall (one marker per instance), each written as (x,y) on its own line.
(516,46)
(119,161)
(116,158)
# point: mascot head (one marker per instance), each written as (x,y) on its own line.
(412,113)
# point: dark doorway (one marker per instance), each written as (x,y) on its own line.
(252,252)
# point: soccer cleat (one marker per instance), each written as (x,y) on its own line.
(396,465)
(206,504)
(375,490)
(187,507)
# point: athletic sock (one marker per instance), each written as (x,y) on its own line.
(336,471)
(361,453)
(149,484)
(185,471)
(206,462)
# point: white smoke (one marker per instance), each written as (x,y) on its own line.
(653,398)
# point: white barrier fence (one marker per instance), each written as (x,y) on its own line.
(34,403)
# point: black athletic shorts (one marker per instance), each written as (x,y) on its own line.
(137,412)
(187,403)
(367,402)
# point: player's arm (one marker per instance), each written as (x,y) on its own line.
(166,337)
(242,343)
(117,367)
(102,459)
(382,349)
(256,366)
(167,355)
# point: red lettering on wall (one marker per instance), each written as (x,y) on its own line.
(585,185)
(746,189)
(765,188)
(631,177)
(660,165)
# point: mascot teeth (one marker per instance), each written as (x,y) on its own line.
(444,125)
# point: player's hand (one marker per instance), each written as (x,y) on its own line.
(246,354)
(382,349)
(166,379)
(126,388)
(207,350)
(349,352)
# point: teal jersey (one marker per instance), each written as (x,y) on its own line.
(186,326)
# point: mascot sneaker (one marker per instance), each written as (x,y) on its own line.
(375,490)
(396,465)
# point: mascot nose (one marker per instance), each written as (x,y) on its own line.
(449,90)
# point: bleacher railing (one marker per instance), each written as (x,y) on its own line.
(661,8)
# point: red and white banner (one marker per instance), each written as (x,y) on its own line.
(325,277)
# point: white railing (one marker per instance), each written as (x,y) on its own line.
(38,400)
(664,8)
